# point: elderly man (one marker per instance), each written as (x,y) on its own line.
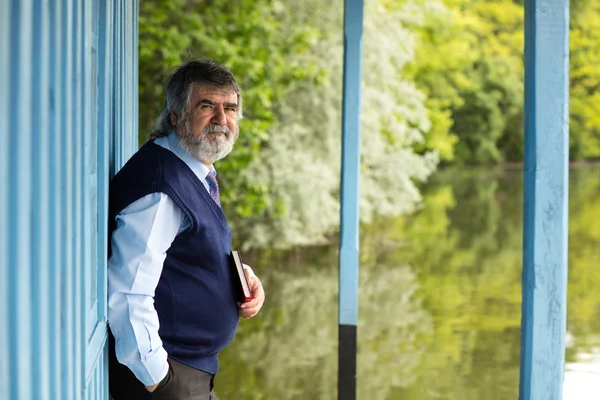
(173,303)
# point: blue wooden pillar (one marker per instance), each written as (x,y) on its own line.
(348,269)
(543,323)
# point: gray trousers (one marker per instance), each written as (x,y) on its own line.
(181,383)
(185,383)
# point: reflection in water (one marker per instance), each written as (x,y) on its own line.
(440,296)
(581,377)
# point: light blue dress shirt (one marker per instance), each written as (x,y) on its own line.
(145,230)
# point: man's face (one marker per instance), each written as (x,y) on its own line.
(209,127)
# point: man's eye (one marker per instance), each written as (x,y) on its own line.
(231,109)
(205,107)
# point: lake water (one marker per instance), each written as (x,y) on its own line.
(440,302)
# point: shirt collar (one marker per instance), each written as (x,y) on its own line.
(199,169)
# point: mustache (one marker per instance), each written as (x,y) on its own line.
(213,128)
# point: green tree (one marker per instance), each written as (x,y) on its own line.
(585,82)
(469,64)
(302,164)
(281,185)
(246,37)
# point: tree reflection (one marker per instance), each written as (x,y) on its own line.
(440,300)
(291,351)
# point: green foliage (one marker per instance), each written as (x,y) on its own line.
(302,164)
(246,37)
(280,186)
(585,83)
(442,80)
(469,63)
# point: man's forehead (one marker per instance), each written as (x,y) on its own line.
(216,94)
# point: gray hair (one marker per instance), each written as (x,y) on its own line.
(205,74)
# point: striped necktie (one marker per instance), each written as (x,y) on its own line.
(213,188)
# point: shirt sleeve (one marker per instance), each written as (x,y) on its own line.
(145,230)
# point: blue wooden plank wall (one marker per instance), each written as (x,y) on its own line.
(68,120)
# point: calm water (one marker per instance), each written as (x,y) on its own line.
(440,299)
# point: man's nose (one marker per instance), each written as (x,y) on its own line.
(219,116)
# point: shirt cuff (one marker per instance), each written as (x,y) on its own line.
(155,369)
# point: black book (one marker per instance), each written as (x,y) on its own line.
(246,295)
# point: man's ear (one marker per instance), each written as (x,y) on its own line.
(173,117)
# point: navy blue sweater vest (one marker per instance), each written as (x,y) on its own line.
(196,298)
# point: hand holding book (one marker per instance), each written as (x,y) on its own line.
(254,297)
(241,273)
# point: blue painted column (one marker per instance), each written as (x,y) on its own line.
(348,273)
(543,323)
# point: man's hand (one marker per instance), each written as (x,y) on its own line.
(153,387)
(250,308)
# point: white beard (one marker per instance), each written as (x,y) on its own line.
(214,144)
